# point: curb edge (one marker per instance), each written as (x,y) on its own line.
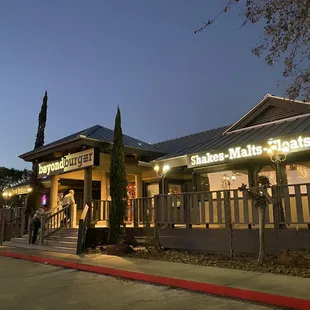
(242,294)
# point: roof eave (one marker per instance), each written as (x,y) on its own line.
(29,156)
(266,98)
(173,162)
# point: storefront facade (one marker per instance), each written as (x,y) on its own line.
(192,181)
(272,139)
(82,161)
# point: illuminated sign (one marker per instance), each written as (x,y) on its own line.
(43,200)
(69,162)
(249,151)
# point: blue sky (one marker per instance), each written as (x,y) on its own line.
(141,55)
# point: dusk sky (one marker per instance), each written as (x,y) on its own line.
(139,54)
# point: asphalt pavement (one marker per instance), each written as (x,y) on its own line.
(34,286)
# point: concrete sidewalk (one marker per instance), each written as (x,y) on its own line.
(292,292)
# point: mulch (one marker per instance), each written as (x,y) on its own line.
(272,264)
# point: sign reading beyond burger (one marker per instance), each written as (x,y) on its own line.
(69,162)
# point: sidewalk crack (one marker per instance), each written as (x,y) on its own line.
(242,280)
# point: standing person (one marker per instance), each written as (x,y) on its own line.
(36,222)
(68,201)
(59,208)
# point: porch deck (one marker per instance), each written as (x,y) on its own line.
(215,209)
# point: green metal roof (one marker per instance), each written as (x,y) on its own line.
(101,134)
(293,126)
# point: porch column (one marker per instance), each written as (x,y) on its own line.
(195,181)
(108,185)
(54,191)
(104,186)
(88,186)
(138,183)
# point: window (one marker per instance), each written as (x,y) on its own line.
(152,189)
(269,172)
(175,189)
(226,180)
(298,174)
(203,183)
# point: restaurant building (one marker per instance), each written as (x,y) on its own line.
(197,177)
(81,162)
(273,139)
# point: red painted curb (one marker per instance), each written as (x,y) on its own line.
(265,298)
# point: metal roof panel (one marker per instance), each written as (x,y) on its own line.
(252,134)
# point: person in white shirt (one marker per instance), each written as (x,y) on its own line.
(68,201)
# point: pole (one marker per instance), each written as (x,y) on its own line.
(278,172)
(163,185)
(279,195)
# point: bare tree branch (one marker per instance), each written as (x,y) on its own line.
(286,37)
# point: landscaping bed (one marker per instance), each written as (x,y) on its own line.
(293,263)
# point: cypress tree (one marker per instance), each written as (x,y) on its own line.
(41,123)
(118,185)
(33,199)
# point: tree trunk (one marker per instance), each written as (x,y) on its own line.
(261,222)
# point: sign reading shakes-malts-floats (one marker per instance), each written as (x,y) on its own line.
(251,150)
(69,162)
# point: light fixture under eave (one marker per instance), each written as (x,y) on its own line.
(166,168)
(156,168)
(277,155)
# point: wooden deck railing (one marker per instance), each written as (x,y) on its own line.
(83,226)
(100,210)
(206,208)
(12,223)
(52,223)
(291,207)
(295,200)
(139,211)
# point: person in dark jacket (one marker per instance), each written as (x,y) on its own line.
(36,222)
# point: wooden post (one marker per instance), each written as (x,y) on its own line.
(29,229)
(23,222)
(53,192)
(228,226)
(88,189)
(138,184)
(188,205)
(155,210)
(135,208)
(195,182)
(276,217)
(42,230)
(2,226)
(73,215)
(227,210)
(104,186)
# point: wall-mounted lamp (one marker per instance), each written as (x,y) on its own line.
(162,172)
